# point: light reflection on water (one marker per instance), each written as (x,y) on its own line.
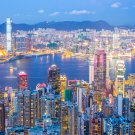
(37,67)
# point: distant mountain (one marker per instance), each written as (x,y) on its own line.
(65,25)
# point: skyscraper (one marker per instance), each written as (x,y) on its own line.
(100,75)
(54,78)
(120,77)
(91,73)
(9,34)
(27,109)
(63,85)
(22,81)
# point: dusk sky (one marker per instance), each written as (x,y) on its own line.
(34,11)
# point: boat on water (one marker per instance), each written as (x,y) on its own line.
(13,67)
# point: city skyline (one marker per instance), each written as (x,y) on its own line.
(114,12)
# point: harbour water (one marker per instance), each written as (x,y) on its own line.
(36,68)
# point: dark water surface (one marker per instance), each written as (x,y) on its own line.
(37,67)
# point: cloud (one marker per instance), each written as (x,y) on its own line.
(54,14)
(16,15)
(81,12)
(116,5)
(41,11)
(125,8)
(65,13)
(133,5)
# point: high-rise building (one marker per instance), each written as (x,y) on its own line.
(68,95)
(63,85)
(1,94)
(27,109)
(51,105)
(34,107)
(43,105)
(120,77)
(121,106)
(22,81)
(117,126)
(9,34)
(100,75)
(115,41)
(2,117)
(80,91)
(20,108)
(91,73)
(54,78)
(58,107)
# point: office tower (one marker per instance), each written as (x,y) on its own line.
(33,107)
(120,77)
(15,104)
(1,94)
(125,109)
(68,95)
(20,108)
(63,85)
(9,34)
(65,118)
(22,81)
(100,75)
(121,106)
(115,41)
(27,109)
(91,73)
(54,78)
(74,119)
(2,117)
(51,105)
(117,126)
(58,107)
(90,100)
(43,105)
(80,91)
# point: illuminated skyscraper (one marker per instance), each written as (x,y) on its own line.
(115,41)
(91,73)
(63,85)
(9,34)
(20,108)
(54,78)
(80,91)
(27,109)
(120,77)
(33,106)
(43,105)
(100,75)
(22,81)
(58,107)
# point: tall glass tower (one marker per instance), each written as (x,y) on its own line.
(54,78)
(100,75)
(9,38)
